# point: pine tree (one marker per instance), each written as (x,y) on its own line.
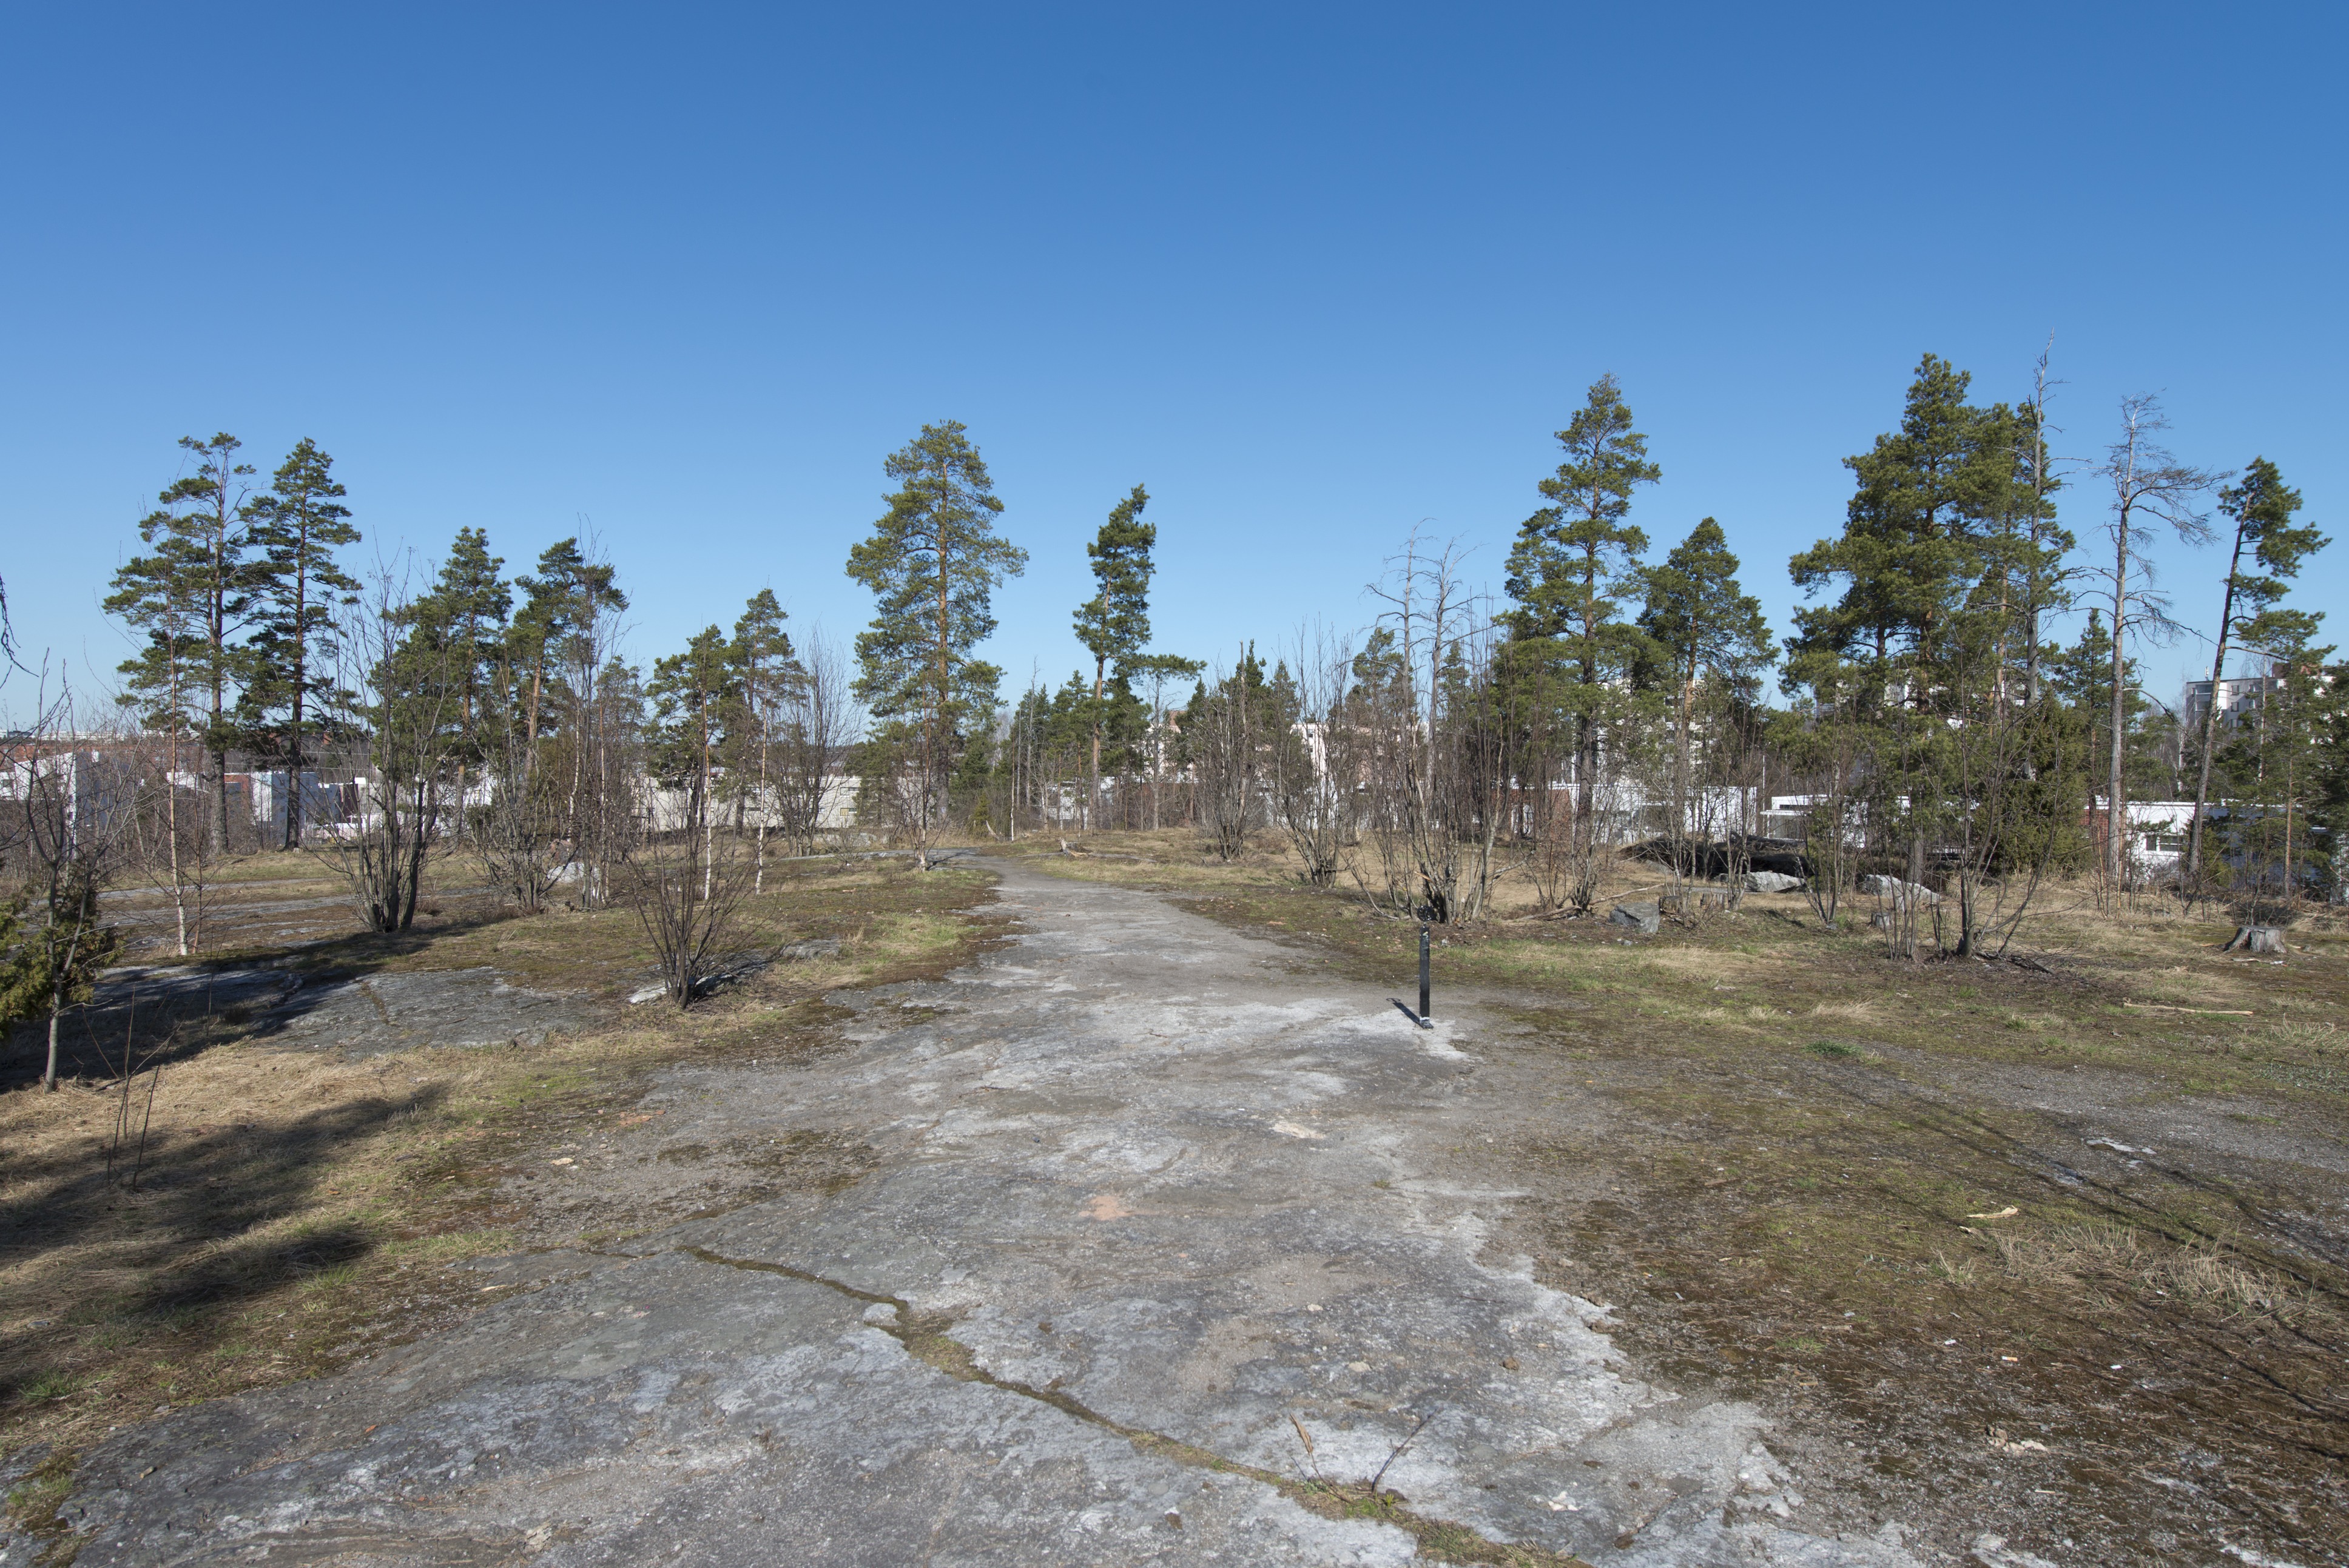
(463,618)
(692,694)
(296,528)
(933,561)
(192,597)
(2278,761)
(2262,506)
(1909,646)
(1574,567)
(1910,547)
(470,602)
(559,604)
(1114,624)
(1704,624)
(766,672)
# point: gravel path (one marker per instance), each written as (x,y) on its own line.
(1149,1210)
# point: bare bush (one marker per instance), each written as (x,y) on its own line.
(687,888)
(1226,742)
(399,708)
(1314,755)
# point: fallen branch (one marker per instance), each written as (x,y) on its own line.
(2213,1012)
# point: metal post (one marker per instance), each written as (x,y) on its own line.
(1425,1021)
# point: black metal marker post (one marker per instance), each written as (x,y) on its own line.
(1425,1021)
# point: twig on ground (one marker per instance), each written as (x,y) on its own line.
(2213,1012)
(1398,1452)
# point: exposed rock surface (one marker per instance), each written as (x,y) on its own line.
(361,1015)
(378,1013)
(1140,1195)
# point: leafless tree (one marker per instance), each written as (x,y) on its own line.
(818,721)
(401,677)
(1424,690)
(2148,483)
(1313,763)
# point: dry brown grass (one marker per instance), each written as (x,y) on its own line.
(290,1202)
(2106,1255)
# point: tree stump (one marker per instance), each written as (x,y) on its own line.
(2257,939)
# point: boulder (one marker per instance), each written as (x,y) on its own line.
(1901,893)
(1647,918)
(1771,881)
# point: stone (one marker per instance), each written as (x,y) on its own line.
(1901,893)
(1771,881)
(1645,917)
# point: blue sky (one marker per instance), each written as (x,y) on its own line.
(686,274)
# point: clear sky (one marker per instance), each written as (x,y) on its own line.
(684,274)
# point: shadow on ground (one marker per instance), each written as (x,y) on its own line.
(195,1234)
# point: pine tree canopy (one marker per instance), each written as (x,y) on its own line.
(1114,624)
(933,561)
(1574,560)
(1699,617)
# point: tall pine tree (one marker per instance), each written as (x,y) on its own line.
(2262,507)
(1704,625)
(933,562)
(1574,568)
(1114,624)
(766,672)
(297,527)
(192,597)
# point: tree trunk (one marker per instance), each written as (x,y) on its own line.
(2211,716)
(1100,670)
(708,821)
(294,740)
(2116,851)
(216,634)
(172,831)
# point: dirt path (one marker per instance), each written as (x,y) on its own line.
(1144,1212)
